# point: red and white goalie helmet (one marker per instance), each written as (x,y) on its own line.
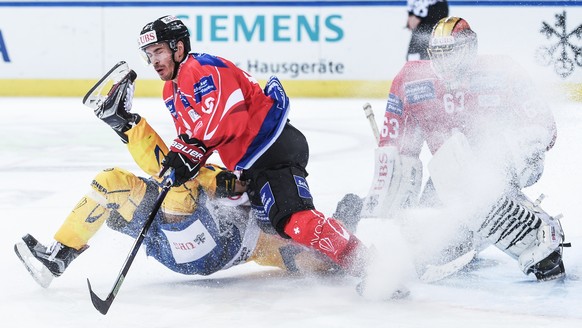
(452,47)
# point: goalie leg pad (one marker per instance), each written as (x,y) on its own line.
(524,231)
(510,227)
(396,184)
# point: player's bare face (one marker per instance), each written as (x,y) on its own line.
(160,56)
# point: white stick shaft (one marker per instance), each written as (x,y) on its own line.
(370,116)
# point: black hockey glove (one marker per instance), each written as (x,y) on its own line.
(225,184)
(185,157)
(115,109)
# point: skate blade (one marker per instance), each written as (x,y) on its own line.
(39,272)
(98,93)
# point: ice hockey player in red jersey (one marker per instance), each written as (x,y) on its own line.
(217,107)
(203,226)
(471,111)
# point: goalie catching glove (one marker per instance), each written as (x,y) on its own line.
(185,157)
(115,108)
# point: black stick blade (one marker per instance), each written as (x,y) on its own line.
(101,305)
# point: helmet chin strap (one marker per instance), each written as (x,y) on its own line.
(176,63)
(176,67)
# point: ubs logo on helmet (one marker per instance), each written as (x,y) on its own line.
(147,38)
(442,41)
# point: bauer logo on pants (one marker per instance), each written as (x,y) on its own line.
(302,187)
(267,198)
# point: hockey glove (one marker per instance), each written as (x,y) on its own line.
(115,109)
(274,89)
(226,184)
(185,157)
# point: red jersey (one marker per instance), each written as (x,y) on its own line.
(421,107)
(214,101)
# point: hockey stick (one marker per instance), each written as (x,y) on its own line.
(370,116)
(435,273)
(104,305)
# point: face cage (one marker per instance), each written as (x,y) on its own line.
(451,60)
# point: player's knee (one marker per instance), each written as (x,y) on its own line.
(116,222)
(281,194)
(111,179)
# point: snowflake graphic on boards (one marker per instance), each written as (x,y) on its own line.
(563,54)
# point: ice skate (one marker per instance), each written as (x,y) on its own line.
(45,263)
(550,268)
(98,95)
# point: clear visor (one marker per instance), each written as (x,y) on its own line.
(155,52)
(145,56)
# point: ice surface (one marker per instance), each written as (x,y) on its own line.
(51,149)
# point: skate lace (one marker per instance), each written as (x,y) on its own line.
(129,97)
(54,250)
